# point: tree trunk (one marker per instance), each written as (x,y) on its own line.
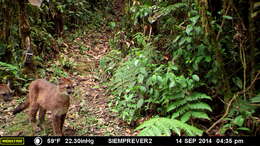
(7,19)
(24,26)
(25,38)
(215,46)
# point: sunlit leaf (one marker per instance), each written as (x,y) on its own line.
(195,77)
(140,103)
(36,2)
(227,17)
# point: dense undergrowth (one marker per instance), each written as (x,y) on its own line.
(171,70)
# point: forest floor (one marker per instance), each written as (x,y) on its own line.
(89,113)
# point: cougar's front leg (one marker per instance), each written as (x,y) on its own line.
(62,120)
(56,123)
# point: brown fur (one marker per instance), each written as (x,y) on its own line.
(44,96)
(5,92)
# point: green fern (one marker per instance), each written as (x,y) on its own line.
(127,82)
(190,106)
(165,127)
(10,69)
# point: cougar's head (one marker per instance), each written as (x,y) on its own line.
(5,92)
(67,85)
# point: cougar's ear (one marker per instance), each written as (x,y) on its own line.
(64,81)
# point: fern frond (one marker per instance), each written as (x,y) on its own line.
(175,105)
(180,111)
(186,116)
(165,130)
(195,114)
(164,127)
(200,106)
(190,107)
(200,115)
(197,96)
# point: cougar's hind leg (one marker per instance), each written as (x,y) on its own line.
(42,112)
(41,117)
(32,115)
(56,123)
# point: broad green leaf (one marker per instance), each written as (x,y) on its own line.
(237,82)
(159,78)
(142,89)
(208,59)
(196,78)
(227,17)
(256,99)
(194,19)
(136,62)
(172,84)
(177,38)
(243,128)
(181,42)
(256,5)
(239,121)
(225,128)
(140,78)
(140,103)
(189,28)
(112,24)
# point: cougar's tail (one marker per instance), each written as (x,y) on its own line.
(21,106)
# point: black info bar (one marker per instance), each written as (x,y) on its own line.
(124,140)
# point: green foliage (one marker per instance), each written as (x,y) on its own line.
(119,42)
(190,106)
(174,94)
(110,61)
(256,99)
(235,125)
(113,42)
(44,40)
(190,49)
(139,77)
(165,127)
(112,25)
(9,71)
(237,118)
(57,71)
(66,62)
(77,12)
(141,83)
(126,85)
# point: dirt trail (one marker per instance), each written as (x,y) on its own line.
(89,113)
